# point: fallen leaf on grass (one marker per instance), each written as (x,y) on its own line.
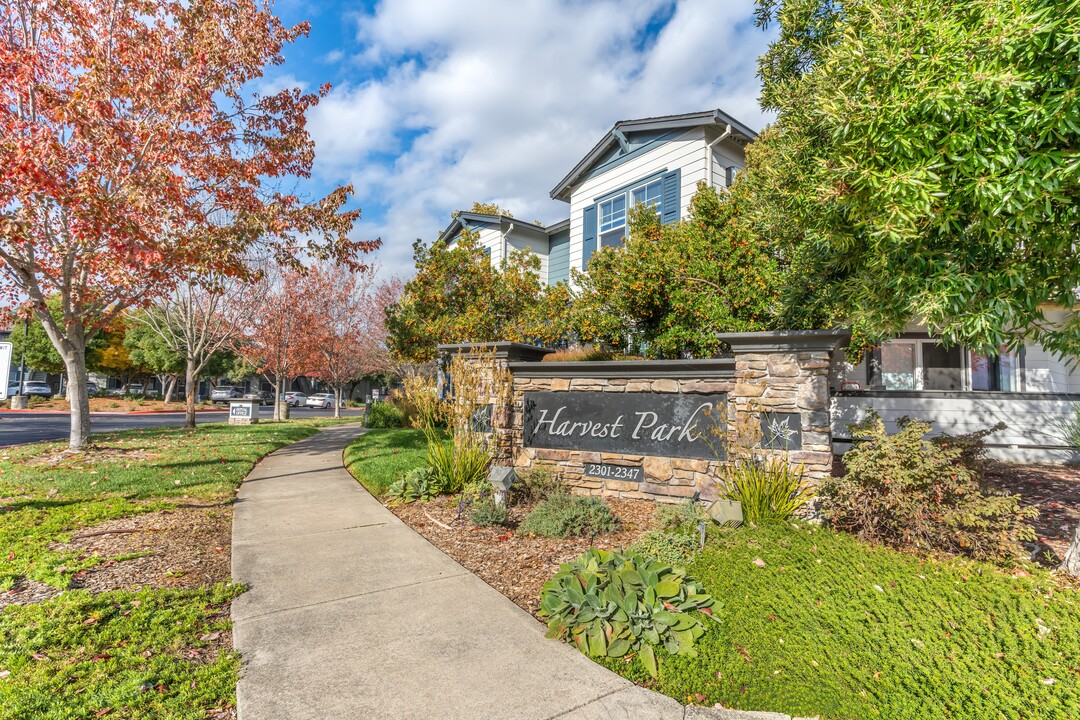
(759,562)
(4,674)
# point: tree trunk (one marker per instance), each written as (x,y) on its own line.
(192,390)
(168,385)
(337,402)
(277,399)
(1071,564)
(78,398)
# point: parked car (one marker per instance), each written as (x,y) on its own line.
(134,389)
(265,397)
(295,399)
(32,388)
(321,400)
(224,393)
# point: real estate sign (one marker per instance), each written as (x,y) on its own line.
(5,368)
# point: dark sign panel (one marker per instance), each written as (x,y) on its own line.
(658,424)
(781,431)
(240,411)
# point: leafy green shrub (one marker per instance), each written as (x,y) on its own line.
(563,515)
(972,448)
(769,489)
(909,491)
(678,517)
(535,484)
(675,549)
(613,604)
(383,415)
(417,484)
(487,512)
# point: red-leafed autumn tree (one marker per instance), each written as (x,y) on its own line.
(134,154)
(348,335)
(277,335)
(201,317)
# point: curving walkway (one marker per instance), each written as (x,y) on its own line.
(352,615)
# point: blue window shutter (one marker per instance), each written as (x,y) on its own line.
(589,237)
(671,197)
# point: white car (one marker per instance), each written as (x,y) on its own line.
(321,400)
(295,399)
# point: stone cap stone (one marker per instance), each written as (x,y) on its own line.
(628,369)
(780,341)
(501,350)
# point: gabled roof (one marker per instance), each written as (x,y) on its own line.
(616,137)
(504,221)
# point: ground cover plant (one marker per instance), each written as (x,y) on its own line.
(817,623)
(157,652)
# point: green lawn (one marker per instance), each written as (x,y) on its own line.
(834,628)
(381,456)
(150,654)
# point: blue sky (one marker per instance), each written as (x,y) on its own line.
(437,103)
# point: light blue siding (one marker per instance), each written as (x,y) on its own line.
(559,257)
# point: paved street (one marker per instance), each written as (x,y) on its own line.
(19,428)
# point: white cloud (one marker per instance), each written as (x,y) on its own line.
(455,102)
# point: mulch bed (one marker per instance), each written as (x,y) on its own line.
(1054,490)
(185,547)
(516,565)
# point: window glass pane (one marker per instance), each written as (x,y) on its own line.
(941,367)
(651,194)
(1007,372)
(982,372)
(613,238)
(613,213)
(898,366)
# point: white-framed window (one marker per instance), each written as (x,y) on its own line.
(612,220)
(612,212)
(650,194)
(930,365)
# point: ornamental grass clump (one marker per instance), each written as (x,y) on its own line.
(769,489)
(908,491)
(611,604)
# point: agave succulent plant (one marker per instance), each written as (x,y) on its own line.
(616,604)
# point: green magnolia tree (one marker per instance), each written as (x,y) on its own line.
(148,349)
(669,289)
(40,353)
(457,295)
(928,155)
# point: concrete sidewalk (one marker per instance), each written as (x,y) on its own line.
(352,615)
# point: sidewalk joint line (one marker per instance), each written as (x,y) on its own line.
(310,534)
(350,597)
(588,702)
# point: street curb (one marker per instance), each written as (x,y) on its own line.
(8,411)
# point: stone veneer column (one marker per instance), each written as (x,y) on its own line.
(788,372)
(502,416)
